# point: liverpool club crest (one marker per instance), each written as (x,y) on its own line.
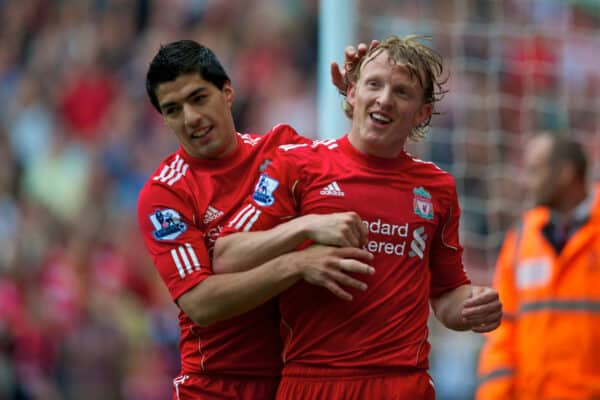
(422,204)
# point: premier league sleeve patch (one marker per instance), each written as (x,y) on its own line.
(263,192)
(167,224)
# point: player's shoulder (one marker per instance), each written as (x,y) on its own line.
(266,145)
(167,193)
(431,169)
(309,148)
(434,181)
(170,176)
(282,134)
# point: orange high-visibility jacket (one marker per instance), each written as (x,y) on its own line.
(548,345)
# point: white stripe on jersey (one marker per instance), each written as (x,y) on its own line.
(177,263)
(173,172)
(179,174)
(192,254)
(329,143)
(162,174)
(252,221)
(172,169)
(288,147)
(166,174)
(418,160)
(243,218)
(238,215)
(184,253)
(185,259)
(249,139)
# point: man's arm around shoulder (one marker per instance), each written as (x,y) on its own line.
(223,296)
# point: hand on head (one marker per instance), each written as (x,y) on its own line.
(352,57)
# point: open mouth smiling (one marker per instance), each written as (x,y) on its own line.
(200,133)
(380,118)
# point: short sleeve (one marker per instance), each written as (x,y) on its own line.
(447,270)
(274,198)
(175,244)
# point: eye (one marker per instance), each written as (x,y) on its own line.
(402,91)
(171,111)
(198,99)
(373,84)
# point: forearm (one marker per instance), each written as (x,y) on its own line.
(227,295)
(242,251)
(224,296)
(245,250)
(448,308)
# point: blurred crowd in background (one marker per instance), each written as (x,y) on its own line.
(83,313)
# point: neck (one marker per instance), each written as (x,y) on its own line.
(374,147)
(576,195)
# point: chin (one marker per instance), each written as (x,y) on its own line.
(373,137)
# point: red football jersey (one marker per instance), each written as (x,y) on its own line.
(181,211)
(411,210)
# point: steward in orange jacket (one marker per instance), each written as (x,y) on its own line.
(548,345)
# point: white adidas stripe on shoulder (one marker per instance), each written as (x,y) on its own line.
(288,147)
(418,160)
(185,256)
(329,143)
(173,172)
(244,219)
(246,138)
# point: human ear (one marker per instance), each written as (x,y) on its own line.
(424,114)
(351,94)
(228,92)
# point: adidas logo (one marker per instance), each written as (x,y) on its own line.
(211,214)
(333,189)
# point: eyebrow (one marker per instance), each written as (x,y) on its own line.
(193,93)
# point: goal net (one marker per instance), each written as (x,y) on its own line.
(515,68)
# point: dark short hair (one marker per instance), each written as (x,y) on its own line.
(567,150)
(180,58)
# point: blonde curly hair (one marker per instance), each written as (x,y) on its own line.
(423,63)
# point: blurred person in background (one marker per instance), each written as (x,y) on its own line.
(375,346)
(229,345)
(547,276)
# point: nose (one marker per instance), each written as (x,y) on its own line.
(191,117)
(384,98)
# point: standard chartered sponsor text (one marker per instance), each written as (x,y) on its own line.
(386,229)
(398,236)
